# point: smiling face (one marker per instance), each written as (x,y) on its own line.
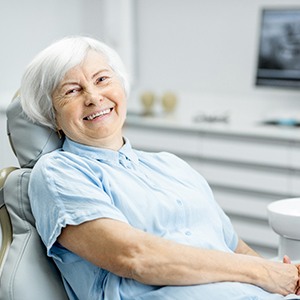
(90,104)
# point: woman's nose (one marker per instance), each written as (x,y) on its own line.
(93,95)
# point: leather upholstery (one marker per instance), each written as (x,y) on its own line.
(28,140)
(27,273)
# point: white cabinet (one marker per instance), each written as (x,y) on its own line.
(245,149)
(245,171)
(163,140)
(295,169)
(243,176)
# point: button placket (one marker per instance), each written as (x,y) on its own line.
(184,230)
(124,161)
(188,233)
(179,202)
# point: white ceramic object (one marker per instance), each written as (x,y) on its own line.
(284,218)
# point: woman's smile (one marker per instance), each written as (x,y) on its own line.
(98,114)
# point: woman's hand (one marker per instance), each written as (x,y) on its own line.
(287,260)
(281,278)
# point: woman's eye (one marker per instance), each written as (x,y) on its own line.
(72,91)
(100,79)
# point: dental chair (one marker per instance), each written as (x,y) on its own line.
(26,273)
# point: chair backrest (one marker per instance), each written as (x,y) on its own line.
(26,273)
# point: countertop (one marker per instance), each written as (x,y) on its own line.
(241,129)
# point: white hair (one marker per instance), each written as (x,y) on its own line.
(48,68)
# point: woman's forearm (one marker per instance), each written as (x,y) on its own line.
(135,254)
(168,263)
(176,264)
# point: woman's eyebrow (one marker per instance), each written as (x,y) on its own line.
(100,71)
(69,82)
(66,83)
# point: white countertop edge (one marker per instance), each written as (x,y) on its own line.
(247,129)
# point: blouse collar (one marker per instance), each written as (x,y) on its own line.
(101,154)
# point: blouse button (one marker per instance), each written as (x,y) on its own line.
(179,202)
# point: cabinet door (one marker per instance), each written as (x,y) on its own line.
(295,169)
(246,149)
(157,139)
(247,204)
(295,155)
(294,190)
(243,176)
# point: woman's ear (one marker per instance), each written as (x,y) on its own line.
(57,125)
(59,132)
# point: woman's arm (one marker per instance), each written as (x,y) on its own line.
(131,253)
(243,248)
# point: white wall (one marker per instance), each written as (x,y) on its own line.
(206,51)
(26,27)
(202,49)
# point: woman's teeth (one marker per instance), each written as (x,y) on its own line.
(101,113)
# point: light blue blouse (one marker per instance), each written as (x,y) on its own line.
(155,192)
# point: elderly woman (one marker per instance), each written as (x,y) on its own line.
(122,223)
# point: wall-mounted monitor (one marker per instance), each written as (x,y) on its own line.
(279,48)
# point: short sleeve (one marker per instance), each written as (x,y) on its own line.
(63,193)
(230,235)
